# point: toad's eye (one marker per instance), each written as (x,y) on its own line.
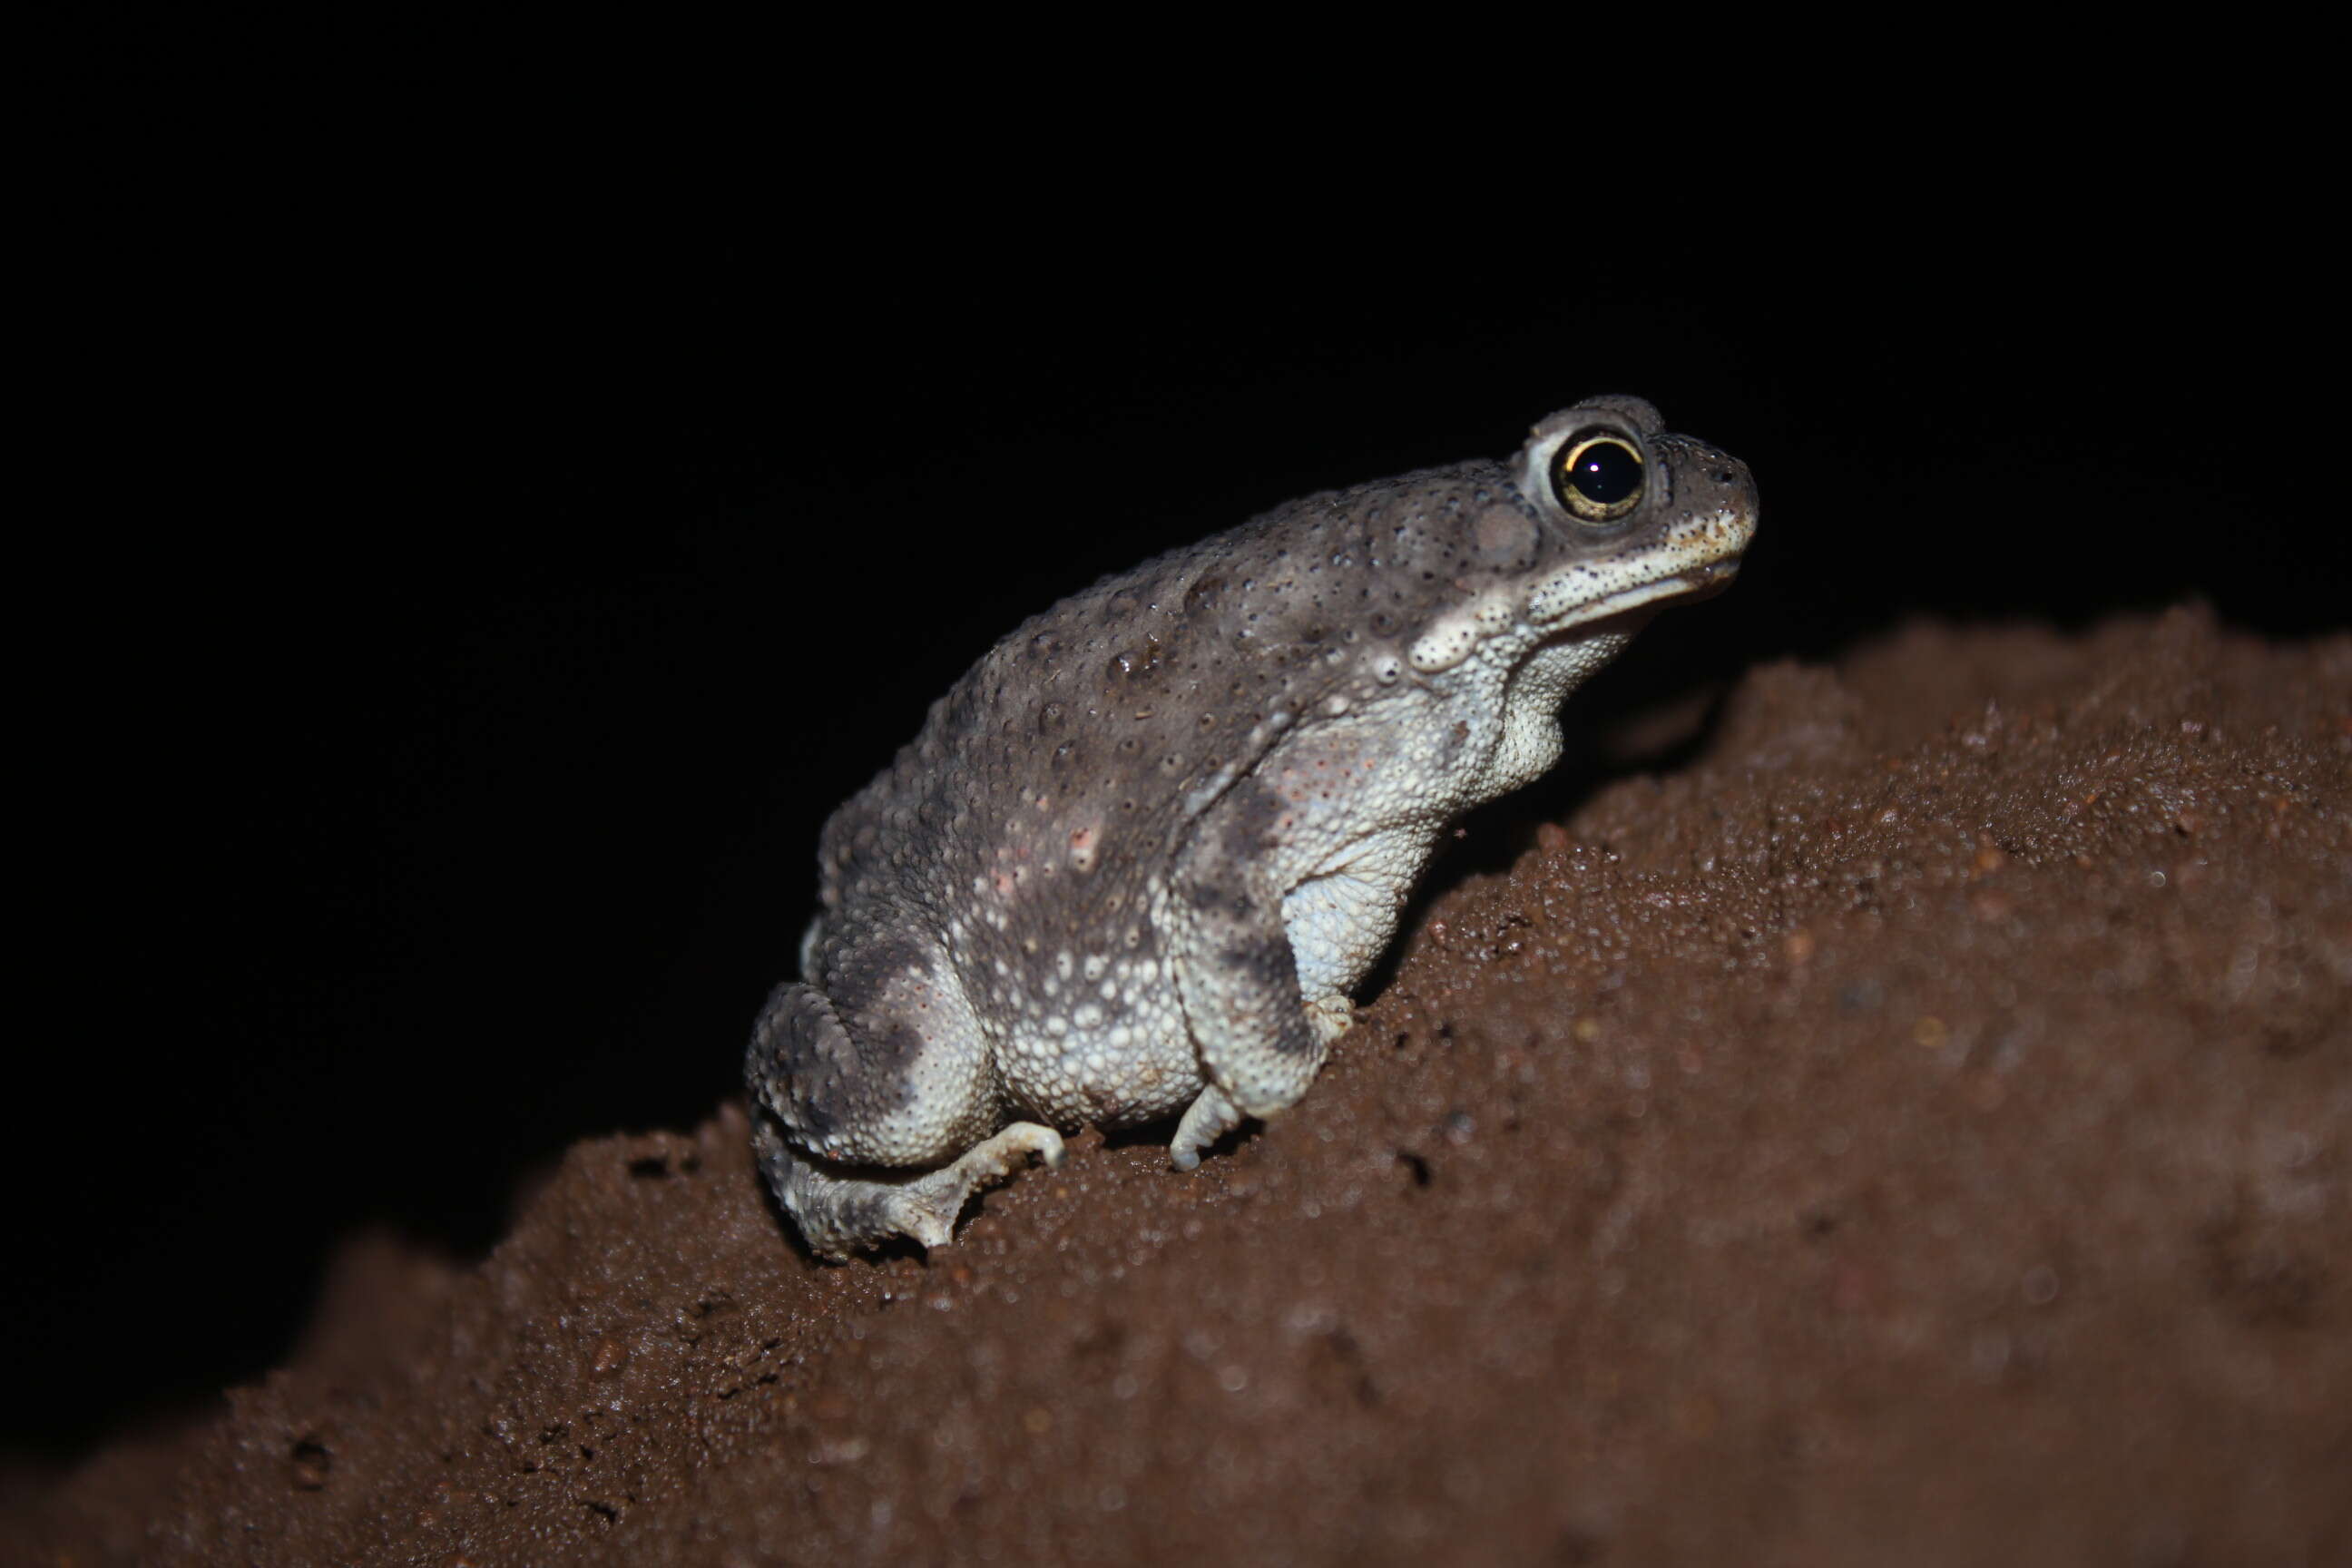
(1597,475)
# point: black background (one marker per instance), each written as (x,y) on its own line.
(468,602)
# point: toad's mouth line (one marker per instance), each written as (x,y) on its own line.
(1693,584)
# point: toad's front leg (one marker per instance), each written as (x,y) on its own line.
(1212,1115)
(1259,1043)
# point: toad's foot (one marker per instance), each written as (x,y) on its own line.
(1330,1016)
(1209,1117)
(926,1209)
(841,1213)
(1214,1115)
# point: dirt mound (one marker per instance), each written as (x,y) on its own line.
(1918,1128)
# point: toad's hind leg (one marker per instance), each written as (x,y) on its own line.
(876,1109)
(840,1211)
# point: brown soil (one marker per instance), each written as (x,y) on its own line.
(1917,1129)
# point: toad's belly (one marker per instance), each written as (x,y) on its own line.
(1100,1065)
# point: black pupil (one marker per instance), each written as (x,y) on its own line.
(1604,473)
